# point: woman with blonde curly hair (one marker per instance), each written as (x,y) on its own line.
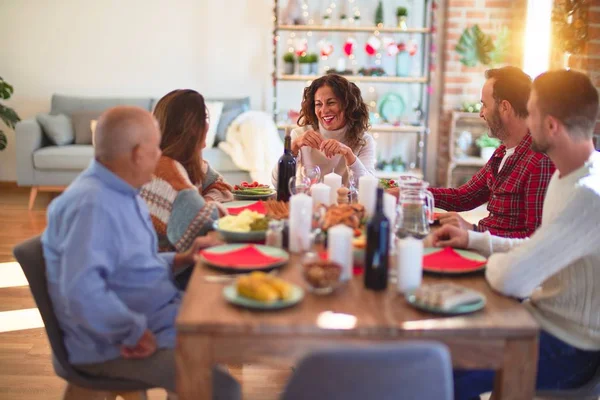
(333,129)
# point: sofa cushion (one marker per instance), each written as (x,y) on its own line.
(82,125)
(57,128)
(214,109)
(69,157)
(62,104)
(219,160)
(231,109)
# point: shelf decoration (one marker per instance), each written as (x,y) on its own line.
(390,46)
(475,46)
(373,44)
(300,46)
(379,14)
(349,46)
(325,48)
(292,14)
(401,16)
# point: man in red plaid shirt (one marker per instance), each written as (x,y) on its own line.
(514,180)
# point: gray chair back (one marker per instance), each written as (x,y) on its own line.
(30,255)
(408,370)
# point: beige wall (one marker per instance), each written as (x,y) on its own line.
(132,48)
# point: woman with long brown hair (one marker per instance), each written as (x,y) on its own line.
(184,194)
(333,122)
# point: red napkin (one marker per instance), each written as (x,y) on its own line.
(244,257)
(449,260)
(259,207)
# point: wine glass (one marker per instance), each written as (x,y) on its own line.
(313,173)
(299,184)
(352,183)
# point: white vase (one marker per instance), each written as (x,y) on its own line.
(288,68)
(487,152)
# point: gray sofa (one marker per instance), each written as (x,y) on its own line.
(46,167)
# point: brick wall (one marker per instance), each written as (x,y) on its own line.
(460,83)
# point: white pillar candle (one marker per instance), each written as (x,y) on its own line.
(300,220)
(339,249)
(341,64)
(367,193)
(409,264)
(320,194)
(389,207)
(334,181)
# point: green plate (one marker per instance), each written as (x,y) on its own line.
(268,250)
(231,295)
(461,309)
(465,253)
(241,196)
(240,237)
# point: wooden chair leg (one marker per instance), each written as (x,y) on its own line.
(73,392)
(139,395)
(32,196)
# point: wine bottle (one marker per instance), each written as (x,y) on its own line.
(378,244)
(287,169)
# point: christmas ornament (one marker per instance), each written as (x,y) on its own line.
(411,48)
(300,46)
(325,47)
(390,46)
(349,46)
(373,44)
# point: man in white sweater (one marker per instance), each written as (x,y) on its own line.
(557,270)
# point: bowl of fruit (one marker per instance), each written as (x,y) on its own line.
(246,227)
(252,191)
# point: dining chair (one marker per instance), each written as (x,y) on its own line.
(407,370)
(590,390)
(80,385)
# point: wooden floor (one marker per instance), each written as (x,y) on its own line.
(25,368)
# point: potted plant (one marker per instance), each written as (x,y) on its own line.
(344,20)
(487,145)
(401,15)
(289,63)
(304,64)
(357,19)
(379,14)
(326,20)
(314,63)
(7,114)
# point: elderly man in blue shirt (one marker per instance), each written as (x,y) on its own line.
(111,290)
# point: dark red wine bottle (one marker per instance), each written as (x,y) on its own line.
(287,169)
(378,245)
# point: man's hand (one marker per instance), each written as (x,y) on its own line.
(309,138)
(450,236)
(200,243)
(452,218)
(145,347)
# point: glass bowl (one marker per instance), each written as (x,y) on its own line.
(321,276)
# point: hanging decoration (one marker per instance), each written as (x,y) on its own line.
(349,46)
(300,46)
(570,25)
(390,46)
(373,44)
(325,47)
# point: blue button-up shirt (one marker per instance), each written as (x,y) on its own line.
(107,282)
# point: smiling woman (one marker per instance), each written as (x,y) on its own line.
(333,129)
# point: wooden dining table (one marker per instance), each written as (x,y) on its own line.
(501,337)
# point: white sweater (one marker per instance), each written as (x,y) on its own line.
(365,156)
(558,267)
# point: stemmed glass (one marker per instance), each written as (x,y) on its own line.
(352,183)
(312,173)
(299,184)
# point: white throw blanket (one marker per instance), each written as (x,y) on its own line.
(253,143)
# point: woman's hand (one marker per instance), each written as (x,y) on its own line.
(332,147)
(310,139)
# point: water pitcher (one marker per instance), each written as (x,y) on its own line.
(415,209)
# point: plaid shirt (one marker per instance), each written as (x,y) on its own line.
(515,195)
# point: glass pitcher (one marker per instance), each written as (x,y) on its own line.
(415,209)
